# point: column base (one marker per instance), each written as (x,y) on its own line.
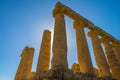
(66,75)
(54,75)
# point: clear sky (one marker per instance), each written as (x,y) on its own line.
(22,23)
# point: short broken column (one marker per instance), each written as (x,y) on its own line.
(100,58)
(116,49)
(75,68)
(84,58)
(44,55)
(59,49)
(112,60)
(25,66)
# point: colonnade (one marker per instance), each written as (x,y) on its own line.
(107,57)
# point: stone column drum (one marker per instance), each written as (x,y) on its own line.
(112,60)
(25,66)
(59,49)
(44,55)
(75,68)
(84,58)
(100,58)
(116,48)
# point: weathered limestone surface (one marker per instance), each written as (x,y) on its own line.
(59,70)
(77,17)
(84,58)
(44,55)
(96,72)
(116,48)
(59,58)
(75,68)
(99,55)
(32,74)
(24,68)
(112,60)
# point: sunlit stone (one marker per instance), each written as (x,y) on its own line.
(59,65)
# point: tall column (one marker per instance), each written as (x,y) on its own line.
(59,58)
(84,58)
(44,55)
(25,66)
(99,55)
(116,48)
(112,60)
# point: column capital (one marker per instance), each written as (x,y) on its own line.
(92,33)
(58,9)
(59,47)
(77,24)
(105,39)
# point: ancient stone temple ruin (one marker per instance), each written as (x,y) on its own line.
(107,58)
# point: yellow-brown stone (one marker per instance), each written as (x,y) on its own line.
(75,68)
(100,58)
(84,58)
(59,49)
(116,49)
(112,59)
(25,66)
(44,55)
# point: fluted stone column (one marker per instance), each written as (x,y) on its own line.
(112,60)
(84,58)
(59,49)
(116,48)
(44,55)
(99,55)
(25,66)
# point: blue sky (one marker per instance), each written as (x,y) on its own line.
(22,23)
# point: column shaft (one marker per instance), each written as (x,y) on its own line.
(116,48)
(25,66)
(84,58)
(44,55)
(59,58)
(99,55)
(112,60)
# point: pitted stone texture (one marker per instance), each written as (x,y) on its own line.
(44,55)
(54,75)
(59,49)
(88,76)
(96,72)
(25,66)
(116,49)
(84,58)
(100,58)
(75,68)
(112,59)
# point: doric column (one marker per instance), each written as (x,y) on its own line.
(112,60)
(25,66)
(84,58)
(99,55)
(59,49)
(116,48)
(44,55)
